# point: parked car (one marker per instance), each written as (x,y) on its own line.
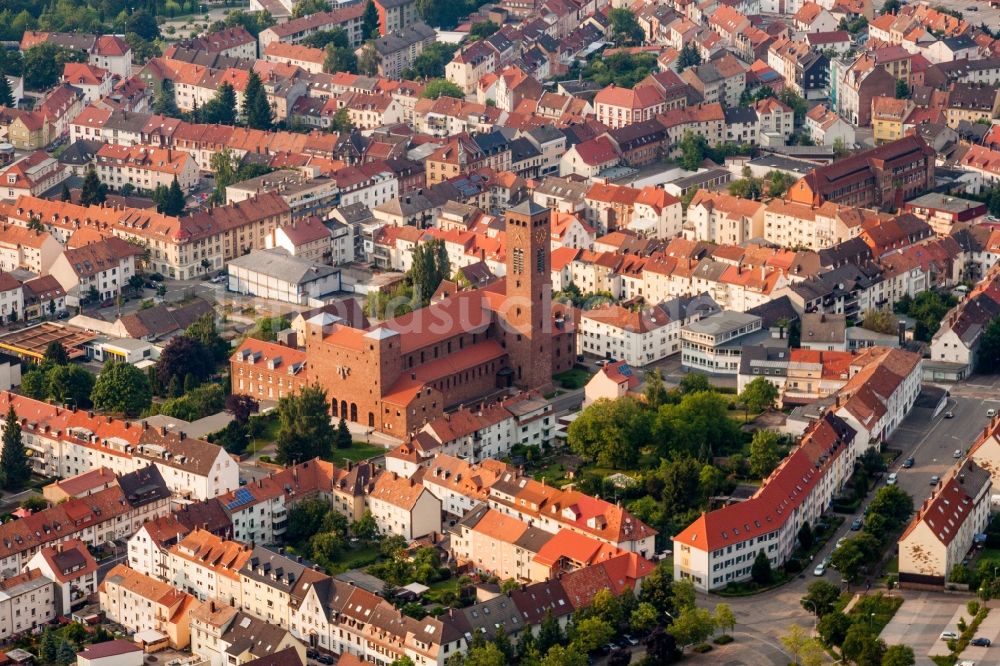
(630,640)
(840,542)
(908,463)
(326,659)
(935,480)
(857,524)
(957,453)
(311,653)
(949,415)
(891,479)
(991,412)
(820,569)
(949,636)
(981,641)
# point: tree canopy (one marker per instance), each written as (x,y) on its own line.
(121,388)
(441,88)
(15,470)
(610,432)
(304,428)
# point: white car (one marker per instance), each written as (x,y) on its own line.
(949,635)
(820,569)
(891,479)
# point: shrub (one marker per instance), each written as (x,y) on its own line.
(972,607)
(723,639)
(793,565)
(702,648)
(265,459)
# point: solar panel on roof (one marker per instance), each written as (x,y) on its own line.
(625,370)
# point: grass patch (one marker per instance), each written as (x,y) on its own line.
(576,378)
(745,588)
(355,558)
(442,592)
(875,610)
(358,451)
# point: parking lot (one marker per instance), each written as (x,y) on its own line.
(921,620)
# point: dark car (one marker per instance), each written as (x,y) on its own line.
(325,659)
(857,524)
(311,653)
(908,463)
(980,642)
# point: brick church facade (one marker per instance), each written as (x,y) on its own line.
(475,345)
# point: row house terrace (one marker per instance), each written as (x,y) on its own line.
(721,545)
(67,442)
(139,603)
(552,509)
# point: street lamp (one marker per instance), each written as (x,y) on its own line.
(815,611)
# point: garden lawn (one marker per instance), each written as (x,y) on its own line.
(358,451)
(573,379)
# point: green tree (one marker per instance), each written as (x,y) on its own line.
(693,625)
(16,470)
(894,504)
(441,87)
(309,7)
(365,528)
(430,267)
(142,23)
(257,112)
(899,655)
(699,425)
(805,536)
(66,654)
(661,647)
(764,455)
(747,187)
(222,108)
(694,382)
(403,661)
(862,647)
(644,618)
(431,62)
(988,356)
(35,383)
(694,148)
(165,100)
(369,21)
(625,28)
(305,518)
(485,655)
(689,56)
(591,633)
(549,633)
(833,627)
(223,166)
(341,121)
(760,570)
(778,183)
(70,384)
(55,354)
(344,440)
(902,90)
(182,356)
(622,69)
(6,94)
(48,648)
(759,395)
(890,7)
(610,432)
(339,59)
(64,194)
(482,29)
(879,320)
(304,429)
(323,38)
(655,392)
(43,65)
(820,598)
(849,559)
(173,200)
(253,22)
(93,192)
(121,388)
(560,655)
(724,617)
(204,330)
(369,60)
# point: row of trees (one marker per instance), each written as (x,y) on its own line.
(887,514)
(255,113)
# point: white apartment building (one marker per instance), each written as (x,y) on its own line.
(206,566)
(27,601)
(405,507)
(102,268)
(713,345)
(942,532)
